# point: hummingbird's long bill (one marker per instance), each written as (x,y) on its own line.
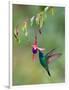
(41,49)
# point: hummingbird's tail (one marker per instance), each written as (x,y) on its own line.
(48,71)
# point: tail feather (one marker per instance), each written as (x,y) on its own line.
(48,72)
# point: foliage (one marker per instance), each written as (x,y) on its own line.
(21,30)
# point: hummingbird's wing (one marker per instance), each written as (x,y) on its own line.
(50,52)
(53,57)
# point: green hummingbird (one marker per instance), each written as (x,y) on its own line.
(47,58)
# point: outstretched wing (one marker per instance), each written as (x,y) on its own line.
(50,52)
(53,57)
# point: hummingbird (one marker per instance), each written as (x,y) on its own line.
(46,59)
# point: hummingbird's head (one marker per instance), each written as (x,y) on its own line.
(41,51)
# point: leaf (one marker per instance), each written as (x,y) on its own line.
(26,33)
(37,19)
(25,28)
(40,19)
(52,10)
(16,33)
(22,38)
(32,20)
(41,22)
(46,8)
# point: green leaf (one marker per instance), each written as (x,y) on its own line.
(46,8)
(26,33)
(52,10)
(37,19)
(41,22)
(22,38)
(32,20)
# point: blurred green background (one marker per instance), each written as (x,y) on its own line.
(25,71)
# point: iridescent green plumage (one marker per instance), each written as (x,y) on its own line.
(46,59)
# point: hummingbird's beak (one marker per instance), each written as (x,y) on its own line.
(41,49)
